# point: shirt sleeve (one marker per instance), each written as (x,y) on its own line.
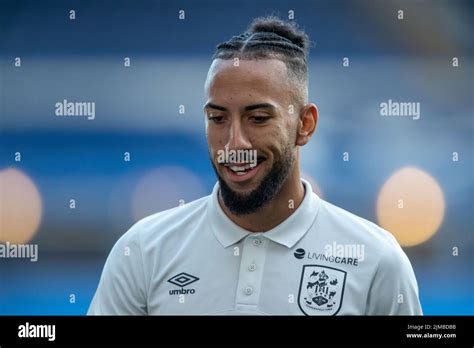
(394,290)
(122,289)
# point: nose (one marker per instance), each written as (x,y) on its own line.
(237,137)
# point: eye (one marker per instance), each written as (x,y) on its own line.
(260,118)
(216,119)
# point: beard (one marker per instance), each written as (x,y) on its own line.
(270,186)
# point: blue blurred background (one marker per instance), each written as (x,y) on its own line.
(139,110)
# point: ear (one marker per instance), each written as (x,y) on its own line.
(307,123)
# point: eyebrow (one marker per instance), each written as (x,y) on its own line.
(214,106)
(247,108)
(259,106)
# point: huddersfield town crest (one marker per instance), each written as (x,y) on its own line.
(321,290)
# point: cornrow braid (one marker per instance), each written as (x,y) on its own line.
(236,43)
(271,38)
(249,41)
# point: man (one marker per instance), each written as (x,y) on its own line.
(262,242)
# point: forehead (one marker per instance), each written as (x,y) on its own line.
(258,80)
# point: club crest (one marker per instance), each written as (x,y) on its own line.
(321,290)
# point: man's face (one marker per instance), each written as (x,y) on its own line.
(249,107)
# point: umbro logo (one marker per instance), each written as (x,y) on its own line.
(182,279)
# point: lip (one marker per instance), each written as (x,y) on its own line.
(241,178)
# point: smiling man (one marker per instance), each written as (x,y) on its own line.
(262,242)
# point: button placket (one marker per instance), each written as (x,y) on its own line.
(251,270)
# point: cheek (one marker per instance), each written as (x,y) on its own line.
(284,135)
(214,141)
(273,142)
(291,131)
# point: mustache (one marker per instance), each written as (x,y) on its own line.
(259,160)
(241,156)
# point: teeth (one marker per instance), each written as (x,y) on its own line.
(243,168)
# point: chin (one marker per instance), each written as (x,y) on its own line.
(243,192)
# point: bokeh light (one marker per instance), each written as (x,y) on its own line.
(411,206)
(20,207)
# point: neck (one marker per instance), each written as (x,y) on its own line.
(274,212)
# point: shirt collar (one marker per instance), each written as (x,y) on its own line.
(288,233)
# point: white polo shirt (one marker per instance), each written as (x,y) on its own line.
(322,260)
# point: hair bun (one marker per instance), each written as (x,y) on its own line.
(284,29)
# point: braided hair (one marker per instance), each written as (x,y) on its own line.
(272,38)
